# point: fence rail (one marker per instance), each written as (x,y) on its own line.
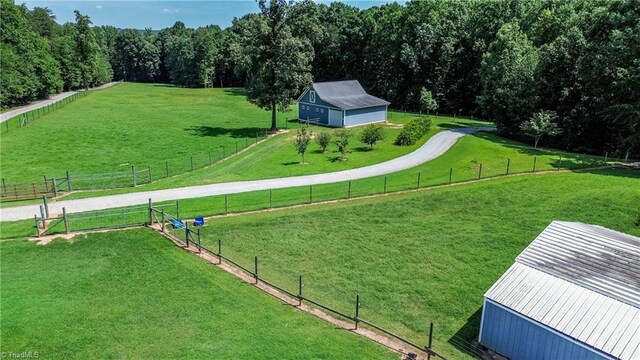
(12,192)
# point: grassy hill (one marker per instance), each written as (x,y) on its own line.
(133,294)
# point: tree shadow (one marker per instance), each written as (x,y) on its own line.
(235,92)
(288,163)
(466,338)
(166,85)
(362,149)
(214,131)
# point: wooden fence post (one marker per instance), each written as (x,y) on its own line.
(270,199)
(55,187)
(418,186)
(300,290)
(357,320)
(384,189)
(480,172)
(430,341)
(255,268)
(349,194)
(4,186)
(163,220)
(559,162)
(450,175)
(226,204)
(310,194)
(191,163)
(508,165)
(534,163)
(150,212)
(67,230)
(166,166)
(46,205)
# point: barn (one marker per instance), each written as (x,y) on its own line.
(573,293)
(340,104)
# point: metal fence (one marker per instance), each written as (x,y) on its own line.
(181,232)
(27,118)
(12,192)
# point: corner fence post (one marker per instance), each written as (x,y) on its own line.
(535,158)
(356,318)
(450,175)
(480,172)
(186,232)
(255,268)
(508,165)
(46,206)
(133,175)
(150,210)
(67,230)
(299,290)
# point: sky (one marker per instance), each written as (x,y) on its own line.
(141,14)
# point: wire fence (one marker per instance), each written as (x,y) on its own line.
(182,232)
(27,118)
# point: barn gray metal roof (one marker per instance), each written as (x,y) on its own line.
(346,95)
(581,280)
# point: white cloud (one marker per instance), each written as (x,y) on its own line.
(98,6)
(169,11)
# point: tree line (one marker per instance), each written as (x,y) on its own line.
(504,60)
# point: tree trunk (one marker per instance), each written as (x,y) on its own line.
(274,125)
(535,144)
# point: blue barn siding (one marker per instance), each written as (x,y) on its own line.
(318,110)
(518,338)
(364,116)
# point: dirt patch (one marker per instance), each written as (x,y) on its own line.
(44,240)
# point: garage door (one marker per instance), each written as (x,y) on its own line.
(335,117)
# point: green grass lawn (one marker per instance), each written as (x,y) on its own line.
(425,256)
(141,124)
(159,127)
(132,294)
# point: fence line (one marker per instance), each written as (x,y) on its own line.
(25,119)
(194,237)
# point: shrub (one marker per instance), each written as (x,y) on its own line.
(302,141)
(323,139)
(342,142)
(413,131)
(371,134)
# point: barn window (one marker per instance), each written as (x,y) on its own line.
(312,96)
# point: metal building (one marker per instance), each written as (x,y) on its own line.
(573,293)
(340,104)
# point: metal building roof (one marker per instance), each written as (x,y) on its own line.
(581,280)
(346,95)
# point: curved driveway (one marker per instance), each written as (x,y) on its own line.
(434,147)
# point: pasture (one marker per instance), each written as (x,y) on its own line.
(133,294)
(424,256)
(168,130)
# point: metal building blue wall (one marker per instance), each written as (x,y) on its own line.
(365,115)
(318,110)
(519,338)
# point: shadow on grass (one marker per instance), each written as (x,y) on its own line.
(362,149)
(166,85)
(235,92)
(465,339)
(214,131)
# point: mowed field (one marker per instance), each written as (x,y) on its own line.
(424,256)
(133,294)
(131,124)
(164,128)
